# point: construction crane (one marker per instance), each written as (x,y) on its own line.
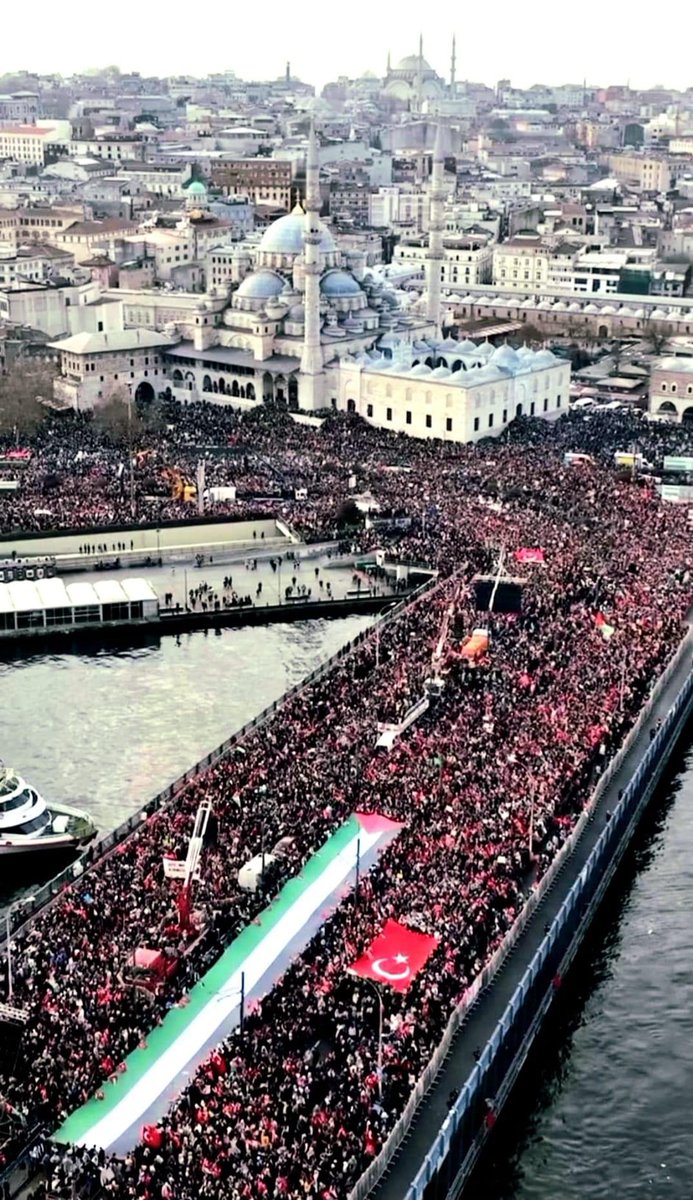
(192,863)
(435,683)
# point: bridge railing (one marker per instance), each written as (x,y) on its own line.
(377,1168)
(25,910)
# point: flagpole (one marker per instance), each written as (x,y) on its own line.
(358,865)
(242,1013)
(531,820)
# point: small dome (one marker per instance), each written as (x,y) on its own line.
(261,285)
(421,369)
(504,356)
(544,358)
(441,373)
(339,283)
(297,314)
(196,188)
(285,236)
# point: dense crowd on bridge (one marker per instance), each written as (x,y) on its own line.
(504,758)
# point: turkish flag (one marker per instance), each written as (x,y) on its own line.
(396,956)
(529,554)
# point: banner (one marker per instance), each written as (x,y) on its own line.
(174,868)
(395,957)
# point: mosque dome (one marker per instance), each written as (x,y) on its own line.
(544,358)
(504,357)
(285,236)
(411,63)
(261,285)
(196,188)
(339,283)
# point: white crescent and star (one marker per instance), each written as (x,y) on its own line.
(402,969)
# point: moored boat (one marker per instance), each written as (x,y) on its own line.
(29,826)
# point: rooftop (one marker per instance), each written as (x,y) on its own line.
(118,340)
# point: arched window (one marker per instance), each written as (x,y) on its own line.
(667,408)
(206,384)
(518,410)
(250,392)
(456,366)
(177,378)
(234,388)
(687,416)
(351,405)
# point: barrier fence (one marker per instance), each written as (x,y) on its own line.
(438,1176)
(24,910)
(377,1168)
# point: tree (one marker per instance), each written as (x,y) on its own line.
(349,513)
(23,392)
(529,335)
(657,335)
(117,419)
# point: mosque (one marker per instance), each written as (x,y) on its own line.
(413,81)
(309,327)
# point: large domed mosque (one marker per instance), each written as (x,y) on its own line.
(309,327)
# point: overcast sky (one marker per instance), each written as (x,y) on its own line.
(543,41)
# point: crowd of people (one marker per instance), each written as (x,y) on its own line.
(488,784)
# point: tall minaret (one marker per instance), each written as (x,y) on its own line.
(312,375)
(388,64)
(452,68)
(435,255)
(419,77)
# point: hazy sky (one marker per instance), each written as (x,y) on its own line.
(543,41)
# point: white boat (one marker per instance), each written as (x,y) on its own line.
(29,826)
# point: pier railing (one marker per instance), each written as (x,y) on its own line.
(24,910)
(439,1150)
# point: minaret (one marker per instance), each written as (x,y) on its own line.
(389,68)
(435,255)
(312,375)
(452,68)
(419,77)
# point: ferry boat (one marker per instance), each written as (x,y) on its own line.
(28,826)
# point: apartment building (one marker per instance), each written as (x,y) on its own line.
(263,180)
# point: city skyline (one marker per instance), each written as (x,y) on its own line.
(599,48)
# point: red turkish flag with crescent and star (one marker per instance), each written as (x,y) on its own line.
(395,957)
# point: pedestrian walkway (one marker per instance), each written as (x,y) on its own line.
(157,1073)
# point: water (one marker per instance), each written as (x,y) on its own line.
(605,1109)
(108,730)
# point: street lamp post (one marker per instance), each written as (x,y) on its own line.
(8,951)
(130,463)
